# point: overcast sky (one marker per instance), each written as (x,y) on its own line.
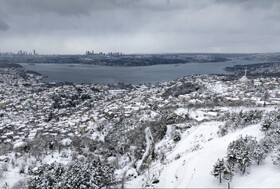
(140,26)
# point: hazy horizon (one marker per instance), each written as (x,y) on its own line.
(156,53)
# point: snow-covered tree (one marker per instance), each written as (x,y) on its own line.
(271,122)
(240,120)
(218,169)
(222,171)
(276,157)
(91,174)
(223,129)
(266,125)
(228,172)
(244,161)
(240,153)
(259,154)
(267,144)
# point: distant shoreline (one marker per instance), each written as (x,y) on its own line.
(130,60)
(116,60)
(267,69)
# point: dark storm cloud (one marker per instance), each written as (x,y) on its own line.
(73,26)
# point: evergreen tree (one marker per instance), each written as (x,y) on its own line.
(222,170)
(276,157)
(218,169)
(259,154)
(228,172)
(267,144)
(266,125)
(244,162)
(91,174)
(240,153)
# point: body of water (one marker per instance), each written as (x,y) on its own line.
(84,73)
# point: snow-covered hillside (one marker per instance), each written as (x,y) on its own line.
(190,162)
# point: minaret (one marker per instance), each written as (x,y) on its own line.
(244,78)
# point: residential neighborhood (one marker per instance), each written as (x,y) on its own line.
(58,122)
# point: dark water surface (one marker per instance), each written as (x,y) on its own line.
(84,73)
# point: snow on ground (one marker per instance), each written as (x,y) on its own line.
(13,175)
(242,108)
(191,161)
(265,175)
(217,87)
(149,117)
(198,115)
(63,157)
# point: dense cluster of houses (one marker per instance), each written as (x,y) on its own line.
(30,108)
